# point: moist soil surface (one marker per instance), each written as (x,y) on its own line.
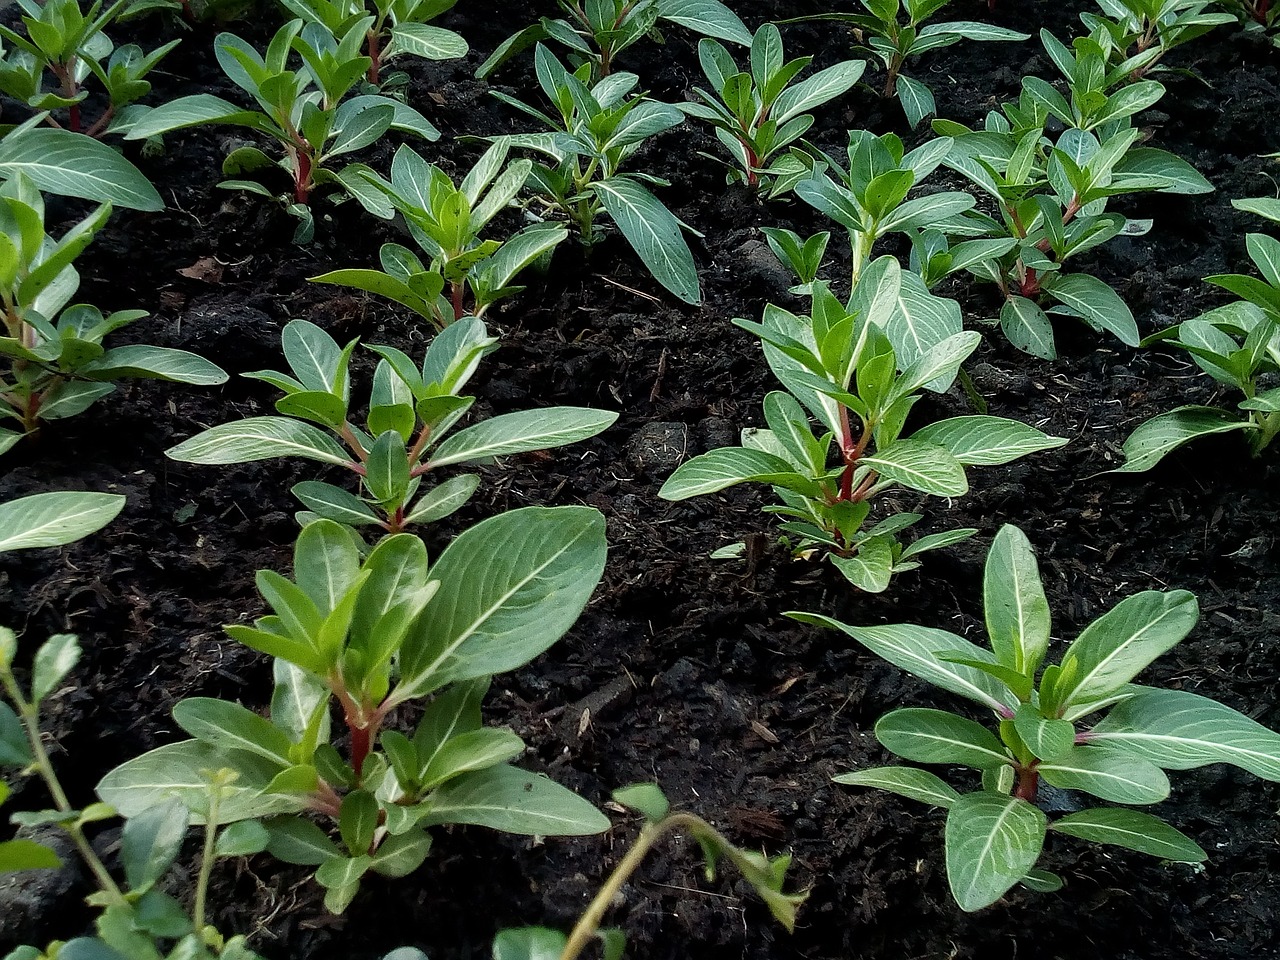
(683,670)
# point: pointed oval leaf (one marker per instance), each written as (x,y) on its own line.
(522,432)
(55,519)
(906,782)
(1108,774)
(259,438)
(1017,613)
(1149,443)
(936,736)
(992,842)
(920,466)
(986,441)
(654,233)
(1132,830)
(514,801)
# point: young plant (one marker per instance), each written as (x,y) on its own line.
(445,222)
(137,920)
(597,31)
(870,197)
(1138,34)
(758,114)
(52,361)
(1258,16)
(391,29)
(765,875)
(891,40)
(1046,730)
(371,636)
(597,129)
(407,430)
(1239,346)
(840,367)
(54,519)
(307,111)
(1051,195)
(69,45)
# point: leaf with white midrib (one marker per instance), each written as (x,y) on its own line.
(992,841)
(56,518)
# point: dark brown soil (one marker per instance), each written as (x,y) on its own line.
(691,675)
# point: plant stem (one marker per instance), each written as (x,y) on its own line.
(1028,784)
(206,858)
(30,714)
(375,55)
(651,833)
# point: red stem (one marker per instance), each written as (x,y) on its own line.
(1028,784)
(375,57)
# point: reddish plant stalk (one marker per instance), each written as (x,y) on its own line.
(1028,783)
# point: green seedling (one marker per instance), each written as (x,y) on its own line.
(760,113)
(371,636)
(445,221)
(407,433)
(840,366)
(1138,34)
(1046,728)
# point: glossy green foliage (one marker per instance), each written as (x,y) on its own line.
(1238,345)
(893,31)
(52,360)
(446,221)
(393,28)
(593,131)
(1137,34)
(1079,724)
(64,44)
(1052,194)
(595,32)
(760,112)
(55,519)
(311,110)
(407,433)
(370,634)
(841,367)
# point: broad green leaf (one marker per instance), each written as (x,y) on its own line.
(936,736)
(871,568)
(936,541)
(299,841)
(920,466)
(259,438)
(399,856)
(1111,775)
(986,441)
(1047,738)
(326,564)
(992,842)
(358,820)
(509,588)
(181,770)
(726,466)
(473,750)
(145,362)
(1123,641)
(75,165)
(823,87)
(647,798)
(1017,613)
(921,651)
(1042,881)
(443,500)
(200,108)
(229,726)
(428,42)
(1097,303)
(514,801)
(1028,328)
(1177,730)
(54,519)
(56,658)
(709,17)
(916,99)
(522,432)
(528,943)
(654,232)
(18,855)
(1132,830)
(334,503)
(151,841)
(1179,175)
(242,839)
(1268,207)
(906,782)
(1160,435)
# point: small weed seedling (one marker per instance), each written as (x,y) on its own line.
(307,111)
(765,875)
(52,361)
(995,834)
(596,130)
(597,31)
(890,40)
(758,114)
(840,366)
(392,29)
(1239,346)
(371,636)
(69,45)
(445,222)
(407,431)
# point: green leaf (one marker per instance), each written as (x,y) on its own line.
(871,568)
(528,943)
(654,233)
(15,750)
(922,652)
(399,856)
(726,466)
(242,839)
(1042,881)
(992,842)
(1132,830)
(1111,775)
(1268,207)
(334,503)
(56,658)
(1017,613)
(472,750)
(906,782)
(387,470)
(647,798)
(522,432)
(151,841)
(443,500)
(1177,730)
(428,42)
(259,438)
(1114,648)
(74,165)
(1097,303)
(513,801)
(144,362)
(298,841)
(1049,739)
(936,736)
(709,17)
(1028,328)
(509,587)
(18,855)
(986,441)
(229,726)
(916,99)
(1149,443)
(55,519)
(358,820)
(920,466)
